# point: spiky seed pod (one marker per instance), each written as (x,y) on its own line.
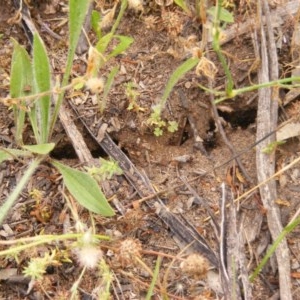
(195,265)
(136,5)
(129,250)
(95,85)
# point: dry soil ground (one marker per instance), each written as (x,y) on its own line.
(161,39)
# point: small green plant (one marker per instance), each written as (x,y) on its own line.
(107,169)
(37,266)
(155,117)
(172,126)
(132,95)
(107,278)
(272,147)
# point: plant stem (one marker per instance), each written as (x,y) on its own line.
(287,229)
(217,49)
(18,189)
(42,239)
(154,278)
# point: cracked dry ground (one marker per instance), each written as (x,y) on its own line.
(170,161)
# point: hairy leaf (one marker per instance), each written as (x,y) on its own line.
(78,10)
(178,73)
(20,85)
(42,81)
(9,154)
(40,148)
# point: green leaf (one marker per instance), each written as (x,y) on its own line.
(42,80)
(79,85)
(182,4)
(78,10)
(225,15)
(95,19)
(18,189)
(172,126)
(124,44)
(103,42)
(40,148)
(21,75)
(158,131)
(85,190)
(270,148)
(9,154)
(178,73)
(20,81)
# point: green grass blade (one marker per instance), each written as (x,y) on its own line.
(176,76)
(154,279)
(20,81)
(287,229)
(120,15)
(85,190)
(42,81)
(18,189)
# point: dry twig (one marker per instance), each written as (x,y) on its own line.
(267,115)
